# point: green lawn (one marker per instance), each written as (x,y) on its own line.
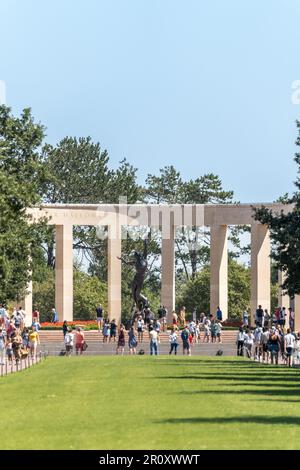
(151,403)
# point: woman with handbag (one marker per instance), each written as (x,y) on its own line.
(79,341)
(121,340)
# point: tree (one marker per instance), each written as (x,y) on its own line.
(196,292)
(21,175)
(89,292)
(285,234)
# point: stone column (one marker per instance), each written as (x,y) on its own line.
(114,271)
(64,272)
(218,270)
(295,304)
(260,268)
(283,298)
(167,297)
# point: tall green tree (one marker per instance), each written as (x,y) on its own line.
(21,175)
(285,234)
(196,292)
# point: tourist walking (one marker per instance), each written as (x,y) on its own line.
(291,319)
(34,340)
(264,342)
(54,316)
(113,330)
(132,341)
(258,342)
(289,344)
(259,315)
(153,341)
(65,328)
(173,342)
(240,340)
(99,317)
(106,331)
(273,345)
(246,318)
(69,342)
(2,345)
(218,331)
(140,328)
(121,340)
(249,341)
(186,347)
(79,343)
(16,345)
(219,315)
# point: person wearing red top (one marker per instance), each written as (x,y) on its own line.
(79,341)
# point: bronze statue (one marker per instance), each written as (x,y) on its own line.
(139,261)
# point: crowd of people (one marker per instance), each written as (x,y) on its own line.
(147,326)
(16,339)
(273,339)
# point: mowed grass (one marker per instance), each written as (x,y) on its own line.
(147,402)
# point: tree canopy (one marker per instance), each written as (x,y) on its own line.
(285,233)
(21,175)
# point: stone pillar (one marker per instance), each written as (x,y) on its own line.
(167,297)
(64,272)
(218,270)
(295,304)
(260,268)
(283,298)
(114,271)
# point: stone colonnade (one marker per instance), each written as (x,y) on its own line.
(167,218)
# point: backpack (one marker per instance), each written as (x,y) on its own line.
(219,352)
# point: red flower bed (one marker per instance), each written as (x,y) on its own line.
(71,323)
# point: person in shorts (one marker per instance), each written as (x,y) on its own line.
(140,328)
(69,342)
(273,345)
(113,330)
(79,341)
(289,345)
(186,347)
(99,317)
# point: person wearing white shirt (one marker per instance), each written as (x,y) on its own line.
(173,342)
(240,340)
(153,341)
(69,342)
(289,344)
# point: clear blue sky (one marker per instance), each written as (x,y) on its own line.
(203,85)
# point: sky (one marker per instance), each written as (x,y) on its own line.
(204,86)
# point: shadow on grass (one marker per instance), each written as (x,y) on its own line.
(292,392)
(273,420)
(241,380)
